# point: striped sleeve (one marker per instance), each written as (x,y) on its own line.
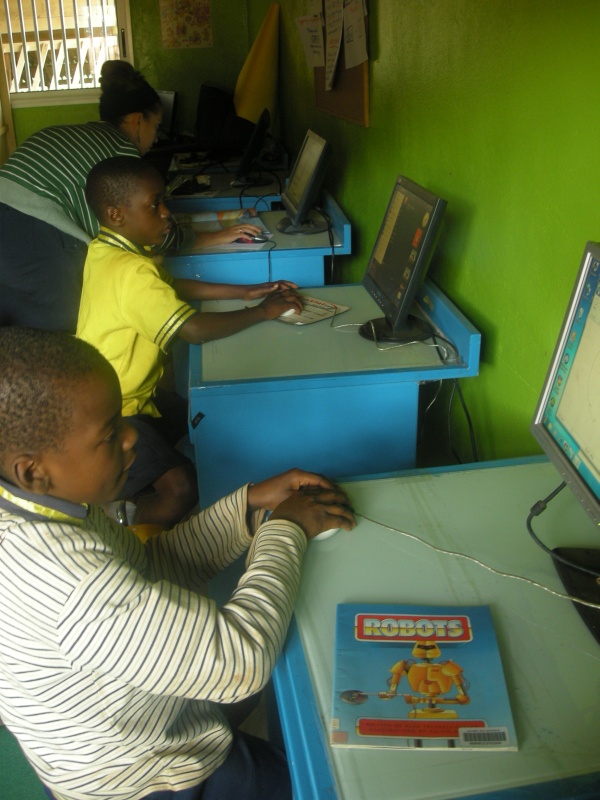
(163,638)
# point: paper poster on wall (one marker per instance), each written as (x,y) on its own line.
(355,36)
(185,23)
(314,7)
(342,88)
(311,36)
(334,28)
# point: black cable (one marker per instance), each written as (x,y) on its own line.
(535,511)
(469,421)
(327,219)
(456,389)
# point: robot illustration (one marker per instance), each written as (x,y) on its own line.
(429,681)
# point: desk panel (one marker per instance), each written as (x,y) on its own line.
(297,258)
(315,396)
(551,662)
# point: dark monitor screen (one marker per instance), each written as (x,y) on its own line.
(249,159)
(168,125)
(399,262)
(303,187)
(566,423)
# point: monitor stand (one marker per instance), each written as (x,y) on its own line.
(314,223)
(582,584)
(413,330)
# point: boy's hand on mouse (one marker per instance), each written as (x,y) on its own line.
(255,290)
(316,510)
(279,301)
(228,235)
(306,498)
(273,491)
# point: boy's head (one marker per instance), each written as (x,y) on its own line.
(127,195)
(61,430)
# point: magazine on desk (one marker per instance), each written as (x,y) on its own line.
(419,677)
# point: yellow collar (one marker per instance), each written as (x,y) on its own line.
(53,508)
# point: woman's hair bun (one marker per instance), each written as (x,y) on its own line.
(119,76)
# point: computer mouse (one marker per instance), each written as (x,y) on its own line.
(252,240)
(325,534)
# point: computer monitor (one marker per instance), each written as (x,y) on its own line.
(566,424)
(167,130)
(249,160)
(303,188)
(400,258)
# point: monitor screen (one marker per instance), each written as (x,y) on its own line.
(249,159)
(168,125)
(402,252)
(304,186)
(566,424)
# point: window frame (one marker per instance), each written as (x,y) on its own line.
(67,97)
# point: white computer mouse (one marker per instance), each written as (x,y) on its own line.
(325,534)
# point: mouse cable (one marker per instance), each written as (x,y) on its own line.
(429,406)
(457,390)
(377,344)
(269,262)
(482,564)
(537,509)
(327,219)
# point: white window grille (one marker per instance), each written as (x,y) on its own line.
(51,45)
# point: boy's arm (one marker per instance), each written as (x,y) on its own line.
(109,622)
(205,327)
(191,290)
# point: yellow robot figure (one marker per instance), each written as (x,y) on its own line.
(430,680)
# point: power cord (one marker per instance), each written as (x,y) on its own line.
(537,509)
(482,564)
(457,390)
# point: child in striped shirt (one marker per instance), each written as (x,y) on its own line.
(116,673)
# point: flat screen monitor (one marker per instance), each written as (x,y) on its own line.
(566,423)
(168,127)
(399,262)
(249,161)
(303,187)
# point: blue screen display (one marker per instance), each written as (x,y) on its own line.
(572,411)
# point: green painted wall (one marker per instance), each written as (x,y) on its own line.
(30,120)
(492,104)
(186,69)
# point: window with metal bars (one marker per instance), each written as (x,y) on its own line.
(53,45)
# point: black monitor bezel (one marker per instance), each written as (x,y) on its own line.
(547,442)
(397,312)
(298,213)
(254,147)
(169,97)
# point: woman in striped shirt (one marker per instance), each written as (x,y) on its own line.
(45,221)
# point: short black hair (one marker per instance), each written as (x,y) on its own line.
(40,372)
(114,181)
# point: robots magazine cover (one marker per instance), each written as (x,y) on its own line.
(415,677)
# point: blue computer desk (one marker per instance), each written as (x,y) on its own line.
(318,396)
(299,258)
(551,661)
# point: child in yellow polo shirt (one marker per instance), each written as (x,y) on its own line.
(132,310)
